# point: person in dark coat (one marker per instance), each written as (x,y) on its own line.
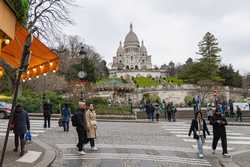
(169,111)
(219,132)
(81,127)
(21,124)
(173,110)
(239,114)
(152,111)
(147,109)
(199,129)
(47,111)
(66,117)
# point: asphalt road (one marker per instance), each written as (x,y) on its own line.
(144,145)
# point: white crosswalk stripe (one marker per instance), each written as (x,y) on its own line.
(132,156)
(36,127)
(68,156)
(181,130)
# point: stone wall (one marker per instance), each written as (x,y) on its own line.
(178,94)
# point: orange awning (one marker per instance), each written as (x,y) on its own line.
(42,60)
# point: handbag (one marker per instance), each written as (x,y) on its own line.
(28,136)
(60,123)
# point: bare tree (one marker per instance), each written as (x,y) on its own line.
(46,17)
(206,88)
(45,20)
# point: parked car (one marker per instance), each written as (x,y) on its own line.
(5,110)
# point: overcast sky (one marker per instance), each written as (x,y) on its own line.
(170,29)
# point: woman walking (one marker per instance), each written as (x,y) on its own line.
(21,124)
(199,129)
(65,117)
(91,126)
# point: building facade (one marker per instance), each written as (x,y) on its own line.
(132,55)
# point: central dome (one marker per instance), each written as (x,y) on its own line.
(131,38)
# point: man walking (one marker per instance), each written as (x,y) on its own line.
(219,132)
(21,124)
(239,114)
(169,111)
(173,111)
(47,111)
(81,126)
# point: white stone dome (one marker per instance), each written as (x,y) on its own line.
(131,38)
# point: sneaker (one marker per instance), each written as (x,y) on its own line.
(226,155)
(213,152)
(82,152)
(201,156)
(94,148)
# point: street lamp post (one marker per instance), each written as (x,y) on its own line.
(130,105)
(82,74)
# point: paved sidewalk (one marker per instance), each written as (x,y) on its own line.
(11,157)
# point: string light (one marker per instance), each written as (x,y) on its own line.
(24,80)
(37,76)
(29,79)
(51,64)
(28,72)
(54,71)
(41,67)
(34,70)
(45,74)
(7,41)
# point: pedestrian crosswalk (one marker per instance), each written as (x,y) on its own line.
(181,129)
(36,127)
(133,153)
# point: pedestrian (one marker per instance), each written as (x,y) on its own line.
(21,124)
(163,109)
(169,111)
(209,113)
(152,111)
(79,120)
(147,109)
(239,114)
(231,108)
(173,111)
(199,129)
(157,112)
(47,111)
(91,126)
(66,117)
(219,132)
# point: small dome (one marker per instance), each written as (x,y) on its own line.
(131,37)
(120,49)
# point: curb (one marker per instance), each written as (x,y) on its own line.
(49,155)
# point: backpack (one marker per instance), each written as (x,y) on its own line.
(74,120)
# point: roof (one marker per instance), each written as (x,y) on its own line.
(42,60)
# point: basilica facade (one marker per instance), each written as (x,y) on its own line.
(131,55)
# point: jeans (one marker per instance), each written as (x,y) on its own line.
(66,126)
(152,116)
(200,142)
